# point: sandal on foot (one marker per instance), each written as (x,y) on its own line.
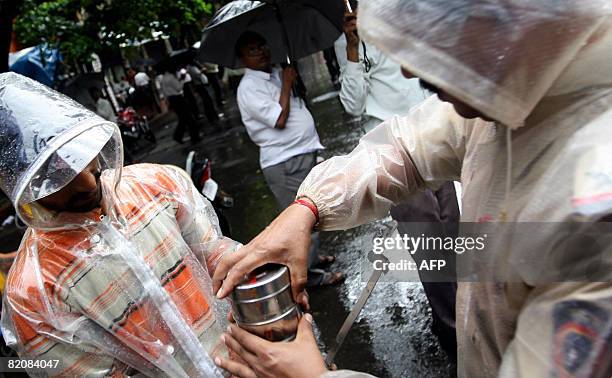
(325,260)
(331,278)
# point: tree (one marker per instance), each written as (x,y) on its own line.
(8,11)
(82,27)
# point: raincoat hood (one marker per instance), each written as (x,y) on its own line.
(46,139)
(501,58)
(109,295)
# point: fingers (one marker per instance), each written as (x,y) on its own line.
(302,300)
(350,19)
(349,15)
(230,317)
(234,346)
(235,368)
(226,263)
(350,26)
(248,341)
(238,272)
(298,273)
(304,331)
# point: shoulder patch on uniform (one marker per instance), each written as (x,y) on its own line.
(593,182)
(582,338)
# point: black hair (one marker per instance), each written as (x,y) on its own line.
(428,86)
(245,39)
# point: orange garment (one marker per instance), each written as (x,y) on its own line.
(66,277)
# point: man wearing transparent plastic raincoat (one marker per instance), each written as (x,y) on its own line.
(540,74)
(113,276)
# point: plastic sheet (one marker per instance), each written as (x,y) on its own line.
(501,57)
(120,290)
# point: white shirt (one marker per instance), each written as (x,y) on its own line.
(198,76)
(141,79)
(258,100)
(184,76)
(382,92)
(171,86)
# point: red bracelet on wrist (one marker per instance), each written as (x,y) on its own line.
(309,205)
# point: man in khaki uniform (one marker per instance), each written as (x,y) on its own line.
(532,82)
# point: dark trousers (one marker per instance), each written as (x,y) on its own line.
(209,107)
(435,214)
(213,80)
(192,103)
(179,105)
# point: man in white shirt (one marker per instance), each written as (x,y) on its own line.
(283,128)
(373,85)
(172,89)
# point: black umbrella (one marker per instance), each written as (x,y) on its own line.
(175,60)
(292,28)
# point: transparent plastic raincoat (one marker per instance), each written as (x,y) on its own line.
(543,71)
(121,290)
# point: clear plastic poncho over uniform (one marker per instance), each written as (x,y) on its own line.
(542,70)
(121,290)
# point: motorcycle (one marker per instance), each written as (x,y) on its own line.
(200,170)
(134,129)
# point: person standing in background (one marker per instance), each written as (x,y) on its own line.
(372,85)
(172,89)
(200,82)
(142,98)
(283,128)
(189,92)
(211,71)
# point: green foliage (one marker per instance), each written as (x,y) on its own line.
(81,27)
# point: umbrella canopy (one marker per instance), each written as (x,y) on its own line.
(38,63)
(310,26)
(175,60)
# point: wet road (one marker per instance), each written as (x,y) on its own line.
(392,337)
